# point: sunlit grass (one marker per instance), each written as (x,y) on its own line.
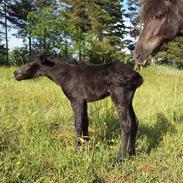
(37,136)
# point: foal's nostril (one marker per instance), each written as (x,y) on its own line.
(17,73)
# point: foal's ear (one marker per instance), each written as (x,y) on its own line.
(47,60)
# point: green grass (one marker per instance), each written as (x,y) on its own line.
(37,136)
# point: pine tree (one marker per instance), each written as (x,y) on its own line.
(132,14)
(18,11)
(99,28)
(48,27)
(4,23)
(17,15)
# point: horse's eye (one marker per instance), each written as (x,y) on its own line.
(158,17)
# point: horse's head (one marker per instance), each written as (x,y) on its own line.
(160,20)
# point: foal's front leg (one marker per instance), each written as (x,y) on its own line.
(79,114)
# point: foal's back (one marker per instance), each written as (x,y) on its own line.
(112,74)
(93,82)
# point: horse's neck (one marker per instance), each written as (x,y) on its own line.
(180,6)
(181,26)
(181,30)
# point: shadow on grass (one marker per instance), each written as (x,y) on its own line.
(155,133)
(98,179)
(110,131)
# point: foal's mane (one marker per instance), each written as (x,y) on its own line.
(153,7)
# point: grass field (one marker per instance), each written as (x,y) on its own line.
(37,136)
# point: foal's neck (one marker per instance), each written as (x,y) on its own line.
(56,73)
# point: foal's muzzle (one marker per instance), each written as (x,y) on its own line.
(18,75)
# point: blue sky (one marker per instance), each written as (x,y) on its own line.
(13,41)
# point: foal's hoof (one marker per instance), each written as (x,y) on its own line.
(86,139)
(119,160)
(131,152)
(81,144)
(78,145)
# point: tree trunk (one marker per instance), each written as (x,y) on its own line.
(80,53)
(30,32)
(30,44)
(66,50)
(84,50)
(44,40)
(6,33)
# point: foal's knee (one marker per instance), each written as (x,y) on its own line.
(125,123)
(126,128)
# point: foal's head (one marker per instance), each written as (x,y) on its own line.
(161,23)
(34,65)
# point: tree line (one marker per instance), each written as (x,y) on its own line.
(95,31)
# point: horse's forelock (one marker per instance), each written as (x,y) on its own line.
(152,7)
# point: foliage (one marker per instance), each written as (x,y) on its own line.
(103,31)
(37,137)
(4,24)
(2,55)
(92,30)
(132,15)
(18,11)
(48,27)
(133,11)
(174,53)
(18,56)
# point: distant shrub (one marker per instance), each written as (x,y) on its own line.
(129,60)
(2,55)
(18,56)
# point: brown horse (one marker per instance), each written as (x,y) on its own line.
(162,21)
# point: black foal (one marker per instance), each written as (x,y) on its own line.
(83,83)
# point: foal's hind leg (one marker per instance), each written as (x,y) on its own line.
(122,98)
(134,127)
(85,122)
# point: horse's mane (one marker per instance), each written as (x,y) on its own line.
(153,7)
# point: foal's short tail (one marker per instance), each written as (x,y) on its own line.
(130,80)
(136,81)
(139,80)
